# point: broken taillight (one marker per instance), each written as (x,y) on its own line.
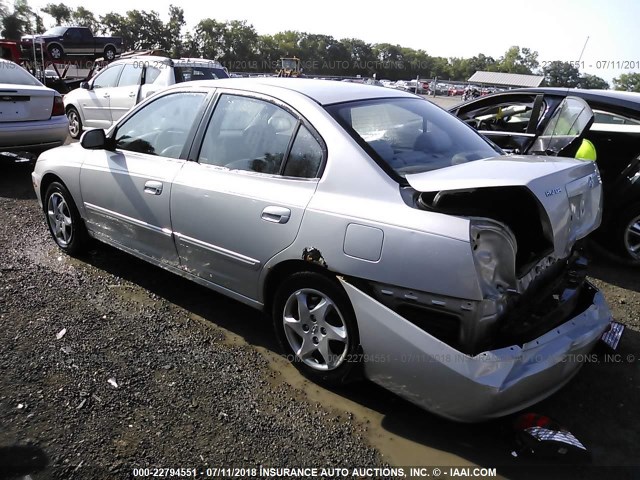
(58,106)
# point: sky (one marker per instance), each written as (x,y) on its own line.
(557,29)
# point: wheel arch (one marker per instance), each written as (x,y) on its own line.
(75,107)
(282,270)
(55,44)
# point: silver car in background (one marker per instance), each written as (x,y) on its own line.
(101,101)
(32,116)
(385,237)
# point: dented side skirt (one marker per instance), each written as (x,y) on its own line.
(426,371)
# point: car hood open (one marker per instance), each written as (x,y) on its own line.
(569,190)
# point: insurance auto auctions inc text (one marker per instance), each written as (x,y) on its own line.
(377,472)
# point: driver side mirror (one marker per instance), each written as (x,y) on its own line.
(85,85)
(95,140)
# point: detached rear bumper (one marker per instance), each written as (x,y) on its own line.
(422,369)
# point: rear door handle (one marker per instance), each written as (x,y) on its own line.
(132,94)
(106,95)
(153,188)
(276,214)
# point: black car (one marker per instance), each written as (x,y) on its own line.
(516,120)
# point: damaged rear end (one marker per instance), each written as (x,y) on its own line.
(536,314)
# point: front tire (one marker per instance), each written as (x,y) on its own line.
(316,326)
(64,221)
(75,123)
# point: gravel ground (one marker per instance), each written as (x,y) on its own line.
(136,380)
(155,371)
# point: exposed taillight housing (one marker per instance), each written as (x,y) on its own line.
(58,106)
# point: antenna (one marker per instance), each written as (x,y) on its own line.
(583,47)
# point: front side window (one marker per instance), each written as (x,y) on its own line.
(107,78)
(411,135)
(162,126)
(247,134)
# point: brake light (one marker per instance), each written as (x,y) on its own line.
(58,106)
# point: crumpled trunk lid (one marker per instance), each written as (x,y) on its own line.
(569,190)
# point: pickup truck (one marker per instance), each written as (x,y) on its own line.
(60,42)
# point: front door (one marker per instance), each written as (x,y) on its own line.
(126,192)
(95,103)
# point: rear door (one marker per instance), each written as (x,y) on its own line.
(563,133)
(243,200)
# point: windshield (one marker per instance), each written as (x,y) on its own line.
(186,74)
(13,74)
(55,31)
(411,135)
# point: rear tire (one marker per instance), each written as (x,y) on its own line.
(109,54)
(627,235)
(65,224)
(316,327)
(75,123)
(55,52)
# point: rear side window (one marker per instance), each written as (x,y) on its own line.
(151,74)
(247,134)
(305,157)
(187,74)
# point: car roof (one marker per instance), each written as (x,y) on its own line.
(324,92)
(630,100)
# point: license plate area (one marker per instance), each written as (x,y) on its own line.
(612,336)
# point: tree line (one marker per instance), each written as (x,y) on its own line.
(238,46)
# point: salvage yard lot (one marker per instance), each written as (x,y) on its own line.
(200,380)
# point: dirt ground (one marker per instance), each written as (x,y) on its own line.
(155,371)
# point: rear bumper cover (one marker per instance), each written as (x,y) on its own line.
(34,136)
(426,371)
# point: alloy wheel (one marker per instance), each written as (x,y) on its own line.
(60,220)
(315,329)
(632,238)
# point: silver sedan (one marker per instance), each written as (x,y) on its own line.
(32,116)
(385,237)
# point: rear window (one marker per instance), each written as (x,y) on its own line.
(411,135)
(13,74)
(187,74)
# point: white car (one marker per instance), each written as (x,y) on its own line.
(31,115)
(101,101)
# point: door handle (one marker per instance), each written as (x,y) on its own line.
(153,188)
(276,214)
(106,95)
(132,94)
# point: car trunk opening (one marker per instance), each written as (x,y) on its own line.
(516,207)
